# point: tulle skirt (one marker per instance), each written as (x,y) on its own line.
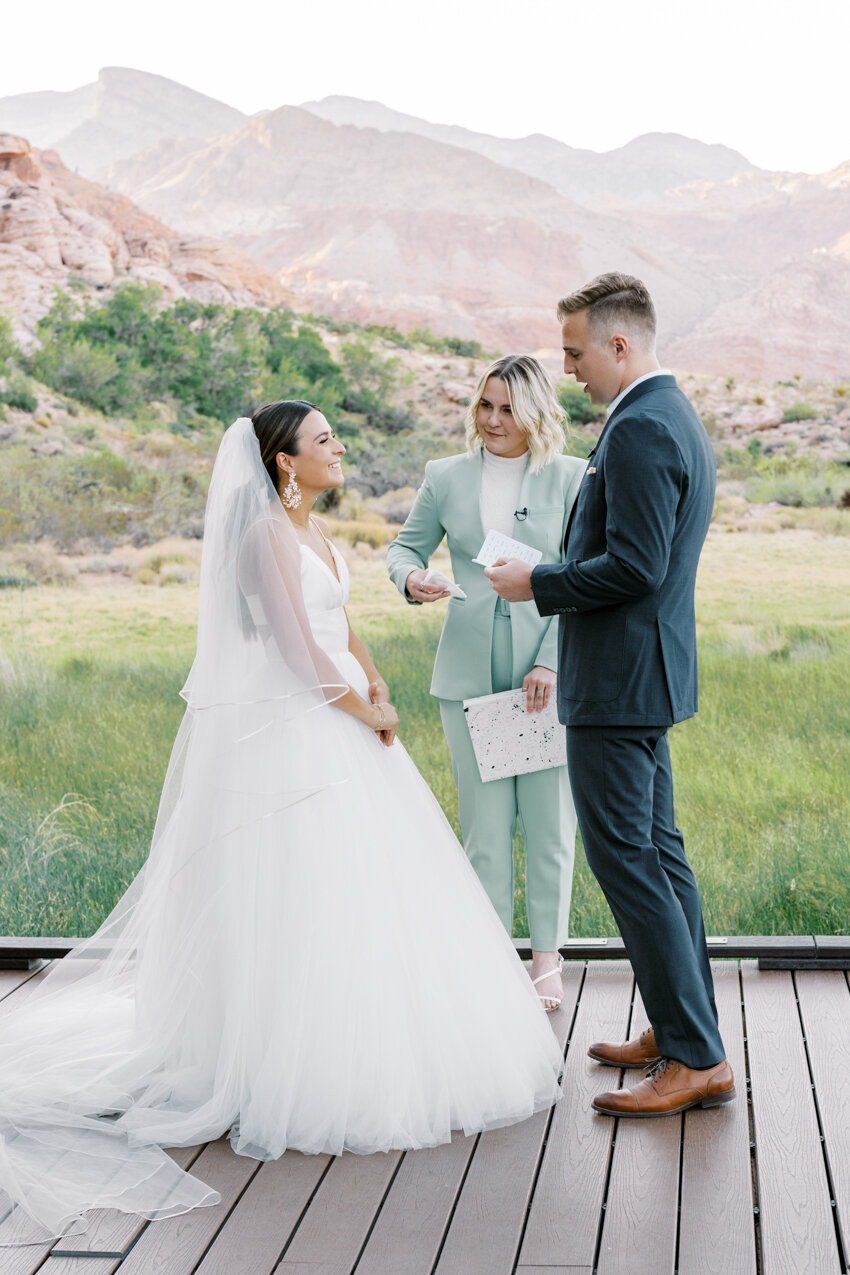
(320,971)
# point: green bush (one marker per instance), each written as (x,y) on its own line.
(8,348)
(11,579)
(799,412)
(801,488)
(374,384)
(19,393)
(577,404)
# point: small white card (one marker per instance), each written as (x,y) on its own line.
(497,546)
(443,582)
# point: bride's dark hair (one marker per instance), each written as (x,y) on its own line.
(276,426)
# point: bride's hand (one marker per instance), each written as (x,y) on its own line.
(386,728)
(379,692)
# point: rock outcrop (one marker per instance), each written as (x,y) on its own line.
(56,227)
(794,322)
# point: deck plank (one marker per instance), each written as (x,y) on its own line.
(825,1006)
(11,980)
(266,1216)
(487,1226)
(335,1226)
(564,1219)
(411,1225)
(639,1233)
(797,1233)
(716,1233)
(175,1245)
(110,1232)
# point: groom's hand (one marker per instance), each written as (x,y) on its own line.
(511,579)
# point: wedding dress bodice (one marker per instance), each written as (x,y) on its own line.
(325,598)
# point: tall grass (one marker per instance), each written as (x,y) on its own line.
(89,706)
(762,792)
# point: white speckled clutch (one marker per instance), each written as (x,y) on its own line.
(510,741)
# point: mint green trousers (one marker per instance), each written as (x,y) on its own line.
(541,802)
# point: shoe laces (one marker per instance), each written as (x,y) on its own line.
(656,1072)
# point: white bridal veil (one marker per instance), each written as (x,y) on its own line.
(129,1044)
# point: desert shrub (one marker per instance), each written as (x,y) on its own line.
(395,505)
(19,393)
(799,412)
(801,488)
(800,481)
(374,384)
(68,498)
(39,563)
(378,462)
(577,405)
(8,346)
(12,579)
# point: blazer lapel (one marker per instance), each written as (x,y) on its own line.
(590,456)
(477,459)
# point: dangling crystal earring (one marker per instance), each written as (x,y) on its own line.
(291,494)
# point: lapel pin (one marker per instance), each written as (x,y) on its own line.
(592,469)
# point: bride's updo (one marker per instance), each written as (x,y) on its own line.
(276,426)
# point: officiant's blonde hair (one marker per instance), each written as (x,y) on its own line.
(535,407)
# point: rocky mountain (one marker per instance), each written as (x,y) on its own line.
(795,321)
(123,112)
(639,172)
(364,213)
(58,228)
(354,222)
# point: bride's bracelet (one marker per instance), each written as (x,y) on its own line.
(382,723)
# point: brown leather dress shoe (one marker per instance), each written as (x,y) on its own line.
(669,1088)
(635,1054)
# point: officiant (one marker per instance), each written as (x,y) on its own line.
(515,480)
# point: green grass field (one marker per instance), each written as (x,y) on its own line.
(89,681)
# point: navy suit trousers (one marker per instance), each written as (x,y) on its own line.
(623,787)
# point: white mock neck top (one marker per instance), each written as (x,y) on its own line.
(501,481)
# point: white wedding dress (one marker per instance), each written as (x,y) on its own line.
(307,960)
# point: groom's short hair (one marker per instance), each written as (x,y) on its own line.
(612,300)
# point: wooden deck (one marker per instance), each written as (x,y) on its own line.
(761,1185)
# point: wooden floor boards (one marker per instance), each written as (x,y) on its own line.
(761,1184)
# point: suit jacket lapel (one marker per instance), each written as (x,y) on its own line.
(664,382)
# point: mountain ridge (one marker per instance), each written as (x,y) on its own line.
(383,217)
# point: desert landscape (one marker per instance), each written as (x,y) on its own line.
(167,262)
(369,215)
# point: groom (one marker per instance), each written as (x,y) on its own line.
(627,672)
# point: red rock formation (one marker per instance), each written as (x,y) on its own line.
(55,225)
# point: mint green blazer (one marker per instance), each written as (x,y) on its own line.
(448,505)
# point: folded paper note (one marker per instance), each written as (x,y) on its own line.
(436,578)
(508,740)
(497,546)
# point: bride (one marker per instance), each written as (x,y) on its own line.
(299,961)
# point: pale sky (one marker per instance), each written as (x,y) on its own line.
(767,77)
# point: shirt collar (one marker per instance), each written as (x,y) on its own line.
(661,371)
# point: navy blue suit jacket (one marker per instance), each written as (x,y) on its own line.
(625,592)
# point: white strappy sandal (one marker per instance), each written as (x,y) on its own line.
(550,1009)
